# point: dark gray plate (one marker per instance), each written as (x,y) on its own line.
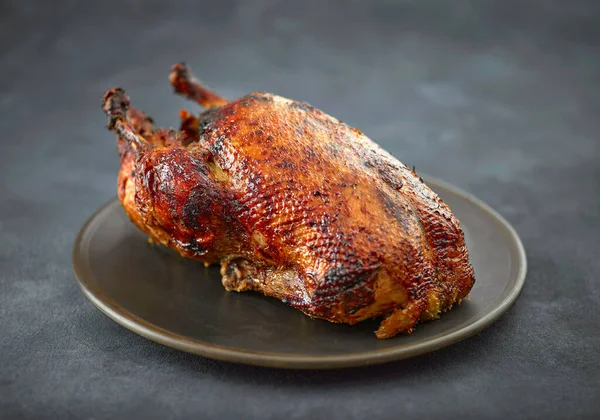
(180,303)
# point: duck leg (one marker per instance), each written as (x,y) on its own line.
(184,83)
(116,107)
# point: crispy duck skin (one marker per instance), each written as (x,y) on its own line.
(292,203)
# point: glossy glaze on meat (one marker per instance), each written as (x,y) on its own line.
(292,203)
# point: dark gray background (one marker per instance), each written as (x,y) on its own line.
(500,98)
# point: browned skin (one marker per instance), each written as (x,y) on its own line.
(292,203)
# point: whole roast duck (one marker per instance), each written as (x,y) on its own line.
(293,203)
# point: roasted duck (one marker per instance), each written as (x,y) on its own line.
(293,203)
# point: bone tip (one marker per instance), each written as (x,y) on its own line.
(115,99)
(115,104)
(179,72)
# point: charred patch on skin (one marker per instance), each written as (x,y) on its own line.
(389,179)
(205,120)
(195,248)
(302,106)
(394,209)
(347,289)
(258,97)
(218,145)
(196,208)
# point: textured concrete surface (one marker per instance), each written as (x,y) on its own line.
(501,98)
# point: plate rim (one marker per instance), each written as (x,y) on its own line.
(159,335)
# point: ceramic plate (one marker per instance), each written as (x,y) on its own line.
(180,303)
